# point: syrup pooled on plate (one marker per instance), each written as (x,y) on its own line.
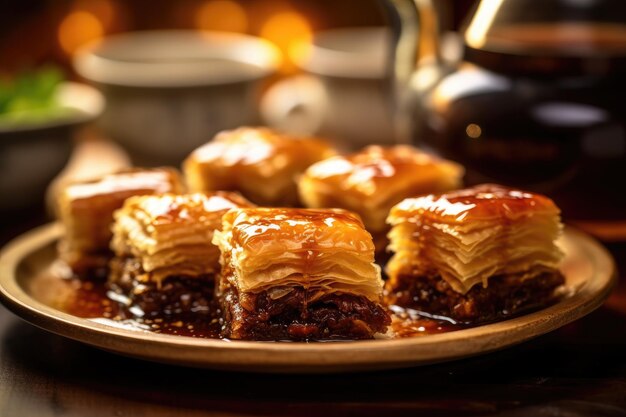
(92,300)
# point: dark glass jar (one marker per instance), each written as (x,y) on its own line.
(539,102)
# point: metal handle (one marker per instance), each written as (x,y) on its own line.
(414,33)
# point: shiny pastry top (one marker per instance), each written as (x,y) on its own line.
(325,251)
(171,234)
(260,163)
(482,202)
(122,184)
(370,182)
(470,235)
(175,210)
(376,169)
(86,208)
(261,229)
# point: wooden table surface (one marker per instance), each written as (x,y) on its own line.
(579,370)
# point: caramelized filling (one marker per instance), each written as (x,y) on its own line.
(96,301)
(294,317)
(505,296)
(176,296)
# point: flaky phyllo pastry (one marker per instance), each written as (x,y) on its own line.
(298,274)
(86,210)
(258,162)
(163,243)
(468,252)
(170,235)
(371,181)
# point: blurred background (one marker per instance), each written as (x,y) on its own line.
(34,32)
(152,113)
(520,93)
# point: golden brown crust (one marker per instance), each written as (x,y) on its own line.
(260,163)
(86,209)
(483,202)
(258,229)
(470,235)
(324,251)
(170,235)
(371,181)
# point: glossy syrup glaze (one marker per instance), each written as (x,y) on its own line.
(468,236)
(182,208)
(92,300)
(247,146)
(128,182)
(260,163)
(86,208)
(479,202)
(253,227)
(376,168)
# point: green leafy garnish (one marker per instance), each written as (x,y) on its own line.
(30,96)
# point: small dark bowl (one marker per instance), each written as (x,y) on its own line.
(31,155)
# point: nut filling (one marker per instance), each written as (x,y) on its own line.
(505,296)
(333,316)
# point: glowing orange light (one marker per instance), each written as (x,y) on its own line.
(104,10)
(77,28)
(292,33)
(476,34)
(223,15)
(473,131)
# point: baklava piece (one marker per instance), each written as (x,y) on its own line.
(298,274)
(260,163)
(164,262)
(86,210)
(372,181)
(474,255)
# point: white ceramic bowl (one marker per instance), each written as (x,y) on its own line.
(170,91)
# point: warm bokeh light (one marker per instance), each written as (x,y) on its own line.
(292,33)
(476,34)
(473,131)
(104,10)
(78,28)
(222,15)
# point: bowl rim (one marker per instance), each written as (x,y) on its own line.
(326,58)
(175,71)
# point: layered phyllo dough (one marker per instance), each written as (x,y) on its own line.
(165,261)
(298,274)
(86,210)
(474,255)
(371,181)
(260,163)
